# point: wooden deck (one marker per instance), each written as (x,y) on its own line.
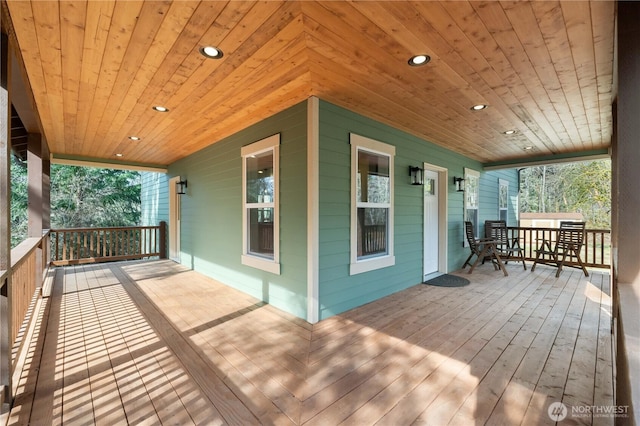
(155,343)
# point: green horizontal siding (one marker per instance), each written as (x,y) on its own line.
(154,198)
(340,291)
(211,232)
(489,187)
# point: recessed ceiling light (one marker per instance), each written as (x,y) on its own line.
(118,155)
(510,132)
(528,148)
(479,107)
(160,108)
(211,52)
(418,60)
(134,138)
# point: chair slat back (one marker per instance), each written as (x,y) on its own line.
(570,236)
(471,237)
(497,231)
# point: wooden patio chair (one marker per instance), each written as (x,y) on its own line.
(508,248)
(567,245)
(477,248)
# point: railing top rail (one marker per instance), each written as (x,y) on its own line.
(110,228)
(541,228)
(24,249)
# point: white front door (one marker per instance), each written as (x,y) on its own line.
(174,220)
(431,223)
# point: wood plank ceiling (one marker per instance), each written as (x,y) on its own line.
(97,68)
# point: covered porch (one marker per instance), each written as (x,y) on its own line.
(152,342)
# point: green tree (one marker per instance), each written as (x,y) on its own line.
(19,202)
(93,197)
(80,197)
(582,187)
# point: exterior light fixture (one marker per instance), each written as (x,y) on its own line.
(181,187)
(418,60)
(211,52)
(459,183)
(479,107)
(417,175)
(160,108)
(134,138)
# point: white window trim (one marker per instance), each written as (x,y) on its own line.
(501,183)
(476,226)
(271,143)
(370,264)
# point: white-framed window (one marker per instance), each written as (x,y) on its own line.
(472,197)
(503,199)
(372,171)
(260,215)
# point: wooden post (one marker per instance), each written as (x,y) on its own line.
(162,243)
(5,224)
(34,197)
(46,187)
(625,206)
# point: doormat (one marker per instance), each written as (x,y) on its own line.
(447,280)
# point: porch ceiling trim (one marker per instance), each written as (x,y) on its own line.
(551,159)
(106,164)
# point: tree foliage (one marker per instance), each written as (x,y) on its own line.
(582,187)
(91,197)
(80,197)
(19,202)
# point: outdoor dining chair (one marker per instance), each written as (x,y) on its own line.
(508,248)
(483,249)
(567,246)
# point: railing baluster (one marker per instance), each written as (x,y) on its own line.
(592,255)
(72,246)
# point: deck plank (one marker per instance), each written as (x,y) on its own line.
(132,350)
(550,386)
(509,405)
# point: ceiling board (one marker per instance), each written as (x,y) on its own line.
(97,68)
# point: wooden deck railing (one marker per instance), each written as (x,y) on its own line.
(29,261)
(91,245)
(596,251)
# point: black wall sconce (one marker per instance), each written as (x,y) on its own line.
(459,183)
(181,187)
(417,175)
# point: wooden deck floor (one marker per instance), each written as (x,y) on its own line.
(154,343)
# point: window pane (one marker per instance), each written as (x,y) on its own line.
(373,178)
(504,196)
(472,216)
(260,178)
(372,232)
(430,186)
(261,232)
(471,191)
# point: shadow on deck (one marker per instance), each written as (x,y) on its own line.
(154,342)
